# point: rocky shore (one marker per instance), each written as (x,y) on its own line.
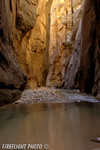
(38,95)
(53,95)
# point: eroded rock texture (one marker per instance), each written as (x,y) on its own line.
(65,18)
(26,25)
(34,32)
(11,73)
(72,74)
(90,68)
(33,48)
(96,87)
(24,42)
(87,62)
(87,73)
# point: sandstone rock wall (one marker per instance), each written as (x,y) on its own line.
(11,74)
(65,18)
(87,62)
(34,47)
(90,68)
(24,42)
(72,74)
(96,87)
(36,32)
(86,74)
(26,25)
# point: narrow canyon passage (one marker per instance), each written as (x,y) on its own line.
(49,43)
(50,74)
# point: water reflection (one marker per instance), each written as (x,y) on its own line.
(62,126)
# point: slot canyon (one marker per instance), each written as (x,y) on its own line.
(50,74)
(53,43)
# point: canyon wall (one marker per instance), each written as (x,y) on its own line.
(91,49)
(65,19)
(84,67)
(49,42)
(24,36)
(87,61)
(96,86)
(33,48)
(12,77)
(72,75)
(26,28)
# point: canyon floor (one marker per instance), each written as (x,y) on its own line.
(53,95)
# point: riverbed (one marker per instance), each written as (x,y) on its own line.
(74,125)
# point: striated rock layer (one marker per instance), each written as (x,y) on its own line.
(87,61)
(26,25)
(24,36)
(24,42)
(65,18)
(11,74)
(90,68)
(34,32)
(87,73)
(96,86)
(33,48)
(72,74)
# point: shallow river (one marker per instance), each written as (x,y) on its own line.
(63,126)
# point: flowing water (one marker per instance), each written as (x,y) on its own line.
(63,126)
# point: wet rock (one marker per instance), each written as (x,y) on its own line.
(96,140)
(16,102)
(9,96)
(51,95)
(98,96)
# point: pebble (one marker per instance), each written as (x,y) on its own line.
(53,95)
(38,95)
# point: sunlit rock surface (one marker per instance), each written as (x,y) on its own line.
(26,29)
(65,18)
(26,15)
(38,38)
(34,47)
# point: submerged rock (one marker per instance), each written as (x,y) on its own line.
(96,140)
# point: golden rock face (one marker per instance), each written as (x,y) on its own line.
(65,18)
(41,32)
(34,47)
(26,28)
(26,15)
